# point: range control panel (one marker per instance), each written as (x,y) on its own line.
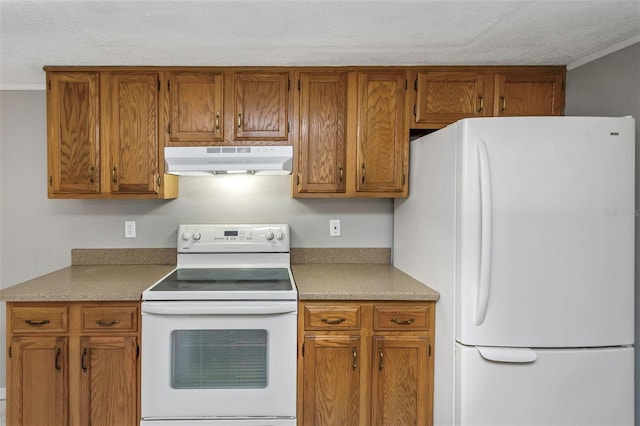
(208,238)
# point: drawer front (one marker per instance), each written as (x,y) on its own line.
(332,317)
(398,317)
(110,318)
(39,319)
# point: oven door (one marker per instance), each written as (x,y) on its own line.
(218,359)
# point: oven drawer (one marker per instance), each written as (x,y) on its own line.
(398,317)
(98,318)
(39,319)
(332,317)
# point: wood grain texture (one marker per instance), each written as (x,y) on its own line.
(37,374)
(322,139)
(261,105)
(72,133)
(133,146)
(332,378)
(196,105)
(108,394)
(382,133)
(445,97)
(527,93)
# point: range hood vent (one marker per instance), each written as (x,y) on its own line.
(199,160)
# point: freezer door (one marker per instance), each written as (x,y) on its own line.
(545,232)
(562,387)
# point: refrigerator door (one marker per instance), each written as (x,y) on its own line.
(545,232)
(561,387)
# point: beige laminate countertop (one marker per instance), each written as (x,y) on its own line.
(358,282)
(88,283)
(123,274)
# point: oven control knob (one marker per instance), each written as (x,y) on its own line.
(280,235)
(269,235)
(196,236)
(186,236)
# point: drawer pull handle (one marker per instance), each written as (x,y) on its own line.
(84,360)
(355,358)
(402,322)
(57,363)
(381,358)
(333,322)
(41,322)
(103,323)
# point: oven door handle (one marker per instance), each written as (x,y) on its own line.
(220,308)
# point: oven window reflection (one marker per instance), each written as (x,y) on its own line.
(219,359)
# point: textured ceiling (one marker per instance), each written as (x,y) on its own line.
(306,32)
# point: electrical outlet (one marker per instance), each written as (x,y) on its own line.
(334,227)
(129,229)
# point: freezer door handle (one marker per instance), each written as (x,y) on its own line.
(508,355)
(484,279)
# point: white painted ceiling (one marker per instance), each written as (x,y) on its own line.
(306,32)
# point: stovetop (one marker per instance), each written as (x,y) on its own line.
(229,262)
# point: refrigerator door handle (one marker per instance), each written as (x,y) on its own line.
(482,298)
(508,355)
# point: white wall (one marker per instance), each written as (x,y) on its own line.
(38,234)
(610,86)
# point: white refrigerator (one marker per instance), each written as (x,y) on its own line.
(525,226)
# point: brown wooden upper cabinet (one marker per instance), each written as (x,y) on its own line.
(73,111)
(383,136)
(227,107)
(196,107)
(443,95)
(520,93)
(103,137)
(321,144)
(261,105)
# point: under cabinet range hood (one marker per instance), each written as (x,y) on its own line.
(199,160)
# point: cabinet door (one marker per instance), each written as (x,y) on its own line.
(445,97)
(529,93)
(73,132)
(38,379)
(109,381)
(261,105)
(133,132)
(331,393)
(195,107)
(400,381)
(382,132)
(322,141)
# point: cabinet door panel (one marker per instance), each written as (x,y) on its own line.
(533,93)
(445,97)
(108,389)
(322,140)
(196,101)
(382,134)
(261,106)
(72,114)
(400,377)
(37,375)
(134,133)
(331,380)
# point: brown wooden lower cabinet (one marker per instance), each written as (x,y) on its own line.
(73,363)
(365,363)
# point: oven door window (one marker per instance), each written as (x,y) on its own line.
(219,359)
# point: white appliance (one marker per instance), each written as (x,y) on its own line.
(219,332)
(198,160)
(526,228)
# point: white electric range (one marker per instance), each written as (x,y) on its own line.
(219,332)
